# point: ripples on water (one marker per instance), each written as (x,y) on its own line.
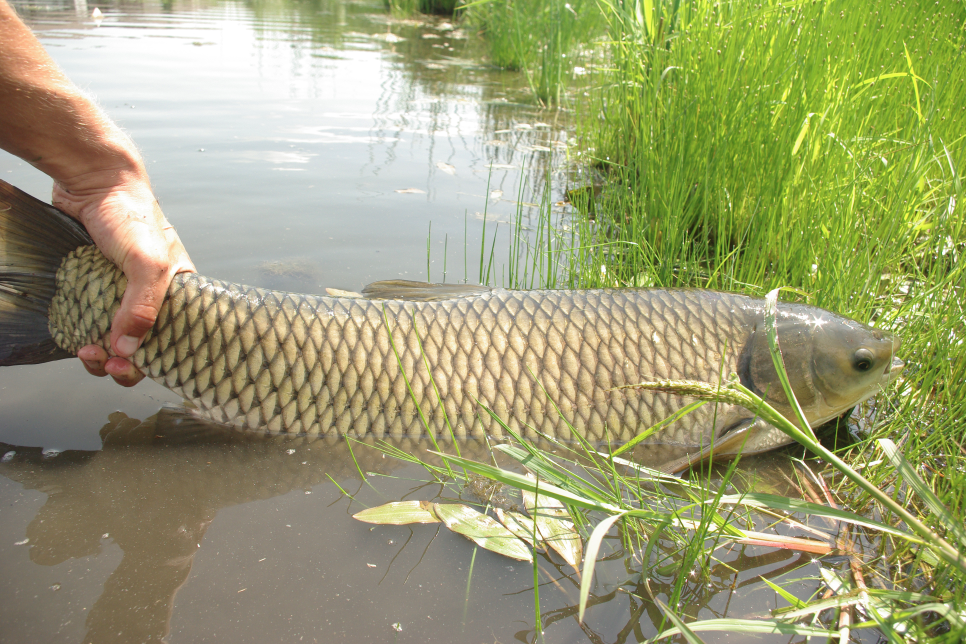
(278,136)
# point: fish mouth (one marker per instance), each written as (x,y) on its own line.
(893,370)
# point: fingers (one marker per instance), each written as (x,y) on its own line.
(99,364)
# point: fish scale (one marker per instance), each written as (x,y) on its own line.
(300,364)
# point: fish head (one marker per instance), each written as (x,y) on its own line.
(833,362)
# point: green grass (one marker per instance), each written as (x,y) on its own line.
(813,145)
(816,145)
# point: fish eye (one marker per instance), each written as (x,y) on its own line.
(863,360)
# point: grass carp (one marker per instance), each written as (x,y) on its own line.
(409,356)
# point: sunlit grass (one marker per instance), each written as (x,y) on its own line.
(815,145)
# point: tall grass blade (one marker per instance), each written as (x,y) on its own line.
(944,516)
(679,624)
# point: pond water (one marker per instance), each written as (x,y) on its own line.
(279,136)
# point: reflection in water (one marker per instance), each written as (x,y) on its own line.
(156,487)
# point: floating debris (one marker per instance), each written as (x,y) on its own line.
(411,191)
(447,168)
(338,292)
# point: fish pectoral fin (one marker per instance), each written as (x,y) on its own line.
(421,291)
(742,438)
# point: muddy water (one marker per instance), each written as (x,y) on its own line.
(296,146)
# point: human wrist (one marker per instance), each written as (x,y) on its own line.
(98,155)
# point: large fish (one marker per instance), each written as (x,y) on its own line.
(410,356)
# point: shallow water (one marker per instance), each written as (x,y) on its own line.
(278,136)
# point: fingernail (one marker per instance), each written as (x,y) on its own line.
(126,346)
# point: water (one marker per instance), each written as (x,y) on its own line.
(278,136)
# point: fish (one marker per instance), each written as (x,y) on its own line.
(454,361)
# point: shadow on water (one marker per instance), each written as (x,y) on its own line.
(153,490)
(159,489)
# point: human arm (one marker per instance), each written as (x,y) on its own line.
(99,179)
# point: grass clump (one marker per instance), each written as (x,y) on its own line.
(817,145)
(543,39)
(805,144)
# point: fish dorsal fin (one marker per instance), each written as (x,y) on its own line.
(421,291)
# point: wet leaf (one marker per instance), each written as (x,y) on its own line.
(482,530)
(785,543)
(399,513)
(520,525)
(555,526)
(411,191)
(447,168)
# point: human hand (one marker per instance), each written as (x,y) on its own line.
(126,222)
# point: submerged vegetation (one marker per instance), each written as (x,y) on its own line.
(814,145)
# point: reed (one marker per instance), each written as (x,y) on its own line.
(816,145)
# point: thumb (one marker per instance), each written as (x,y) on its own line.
(151,260)
(147,283)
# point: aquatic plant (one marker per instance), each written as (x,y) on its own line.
(408,8)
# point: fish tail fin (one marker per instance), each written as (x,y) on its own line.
(34,239)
